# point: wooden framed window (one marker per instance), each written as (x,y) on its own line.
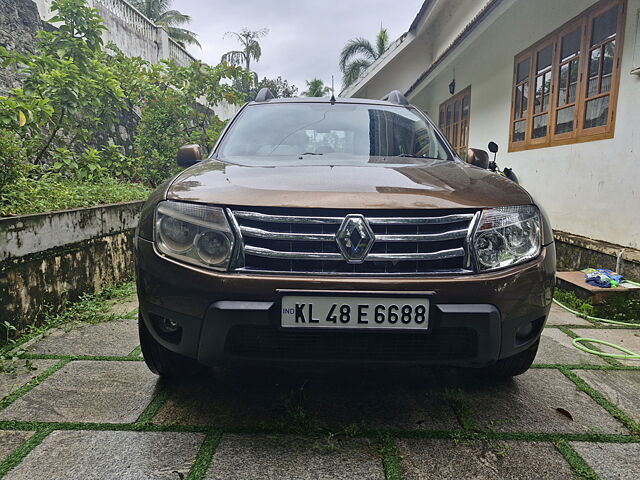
(565,86)
(454,120)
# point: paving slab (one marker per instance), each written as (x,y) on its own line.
(10,440)
(88,391)
(611,461)
(529,403)
(13,380)
(497,460)
(556,347)
(559,316)
(94,455)
(248,457)
(625,337)
(390,400)
(114,338)
(122,307)
(620,387)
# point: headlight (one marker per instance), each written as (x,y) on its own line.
(195,234)
(507,236)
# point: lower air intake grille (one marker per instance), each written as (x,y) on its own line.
(266,342)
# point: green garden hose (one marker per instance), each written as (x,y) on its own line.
(578,342)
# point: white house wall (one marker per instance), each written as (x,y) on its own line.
(590,189)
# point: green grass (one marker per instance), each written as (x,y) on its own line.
(577,463)
(620,307)
(391,459)
(53,193)
(23,450)
(205,455)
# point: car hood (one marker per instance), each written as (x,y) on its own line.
(440,184)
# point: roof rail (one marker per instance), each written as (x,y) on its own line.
(264,95)
(395,96)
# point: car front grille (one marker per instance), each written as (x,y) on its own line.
(451,343)
(304,241)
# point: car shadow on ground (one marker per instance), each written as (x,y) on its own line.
(334,399)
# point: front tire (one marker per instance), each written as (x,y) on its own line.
(512,366)
(162,361)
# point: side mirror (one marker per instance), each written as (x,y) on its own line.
(493,147)
(189,155)
(477,157)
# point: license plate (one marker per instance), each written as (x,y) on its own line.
(306,311)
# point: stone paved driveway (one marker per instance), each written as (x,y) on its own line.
(87,408)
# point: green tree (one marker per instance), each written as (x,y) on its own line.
(316,88)
(250,50)
(77,96)
(159,12)
(358,54)
(278,86)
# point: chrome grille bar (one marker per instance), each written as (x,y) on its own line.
(372,257)
(263,217)
(329,237)
(258,233)
(460,217)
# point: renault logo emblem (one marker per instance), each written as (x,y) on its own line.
(355,238)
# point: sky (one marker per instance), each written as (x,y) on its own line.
(305,38)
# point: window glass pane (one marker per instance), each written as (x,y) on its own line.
(518,130)
(604,26)
(562,87)
(540,126)
(441,122)
(523,71)
(537,102)
(456,111)
(525,98)
(594,66)
(544,58)
(570,44)
(597,112)
(448,122)
(518,105)
(454,139)
(573,81)
(607,65)
(547,91)
(465,106)
(565,119)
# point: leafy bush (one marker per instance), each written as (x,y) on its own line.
(85,118)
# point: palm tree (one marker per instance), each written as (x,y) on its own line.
(358,54)
(316,88)
(250,47)
(158,12)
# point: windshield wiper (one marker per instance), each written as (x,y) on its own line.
(311,153)
(410,155)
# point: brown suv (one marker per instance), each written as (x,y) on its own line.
(340,231)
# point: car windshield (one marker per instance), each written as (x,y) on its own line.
(331,134)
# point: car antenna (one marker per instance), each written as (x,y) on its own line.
(333,97)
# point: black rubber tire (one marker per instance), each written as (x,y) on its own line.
(162,361)
(512,366)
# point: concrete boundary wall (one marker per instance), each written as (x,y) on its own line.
(50,258)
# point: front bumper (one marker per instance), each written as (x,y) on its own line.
(228,318)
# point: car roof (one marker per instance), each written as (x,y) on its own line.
(363,101)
